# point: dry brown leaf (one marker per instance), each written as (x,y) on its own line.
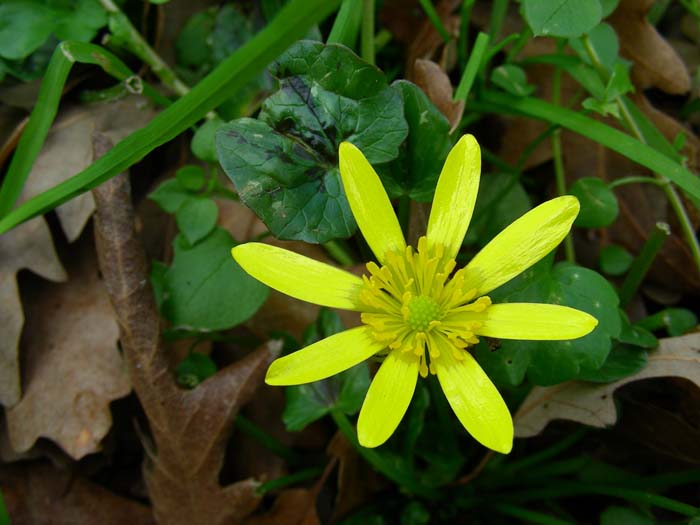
(592,403)
(73,367)
(190,429)
(68,150)
(292,507)
(655,62)
(29,246)
(431,78)
(38,494)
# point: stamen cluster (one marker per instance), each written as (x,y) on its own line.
(414,298)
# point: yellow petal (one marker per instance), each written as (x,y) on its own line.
(474,399)
(388,398)
(369,203)
(455,196)
(521,244)
(299,276)
(325,358)
(541,322)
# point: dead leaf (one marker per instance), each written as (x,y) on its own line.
(73,368)
(291,507)
(29,246)
(38,494)
(655,62)
(592,403)
(433,80)
(190,429)
(68,150)
(357,481)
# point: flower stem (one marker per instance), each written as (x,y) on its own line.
(339,252)
(271,443)
(291,479)
(634,179)
(559,173)
(123,29)
(640,266)
(367,33)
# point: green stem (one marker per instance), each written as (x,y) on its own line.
(271,443)
(558,157)
(465,14)
(367,33)
(46,108)
(549,452)
(434,18)
(634,179)
(346,25)
(498,15)
(528,516)
(671,194)
(124,30)
(291,479)
(339,252)
(473,66)
(386,466)
(640,266)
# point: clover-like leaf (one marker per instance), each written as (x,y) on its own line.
(285,164)
(551,362)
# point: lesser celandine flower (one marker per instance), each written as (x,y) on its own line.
(416,310)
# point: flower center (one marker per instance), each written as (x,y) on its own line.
(420,311)
(415,304)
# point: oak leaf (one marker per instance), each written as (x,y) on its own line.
(592,403)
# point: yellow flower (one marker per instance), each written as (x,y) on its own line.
(416,310)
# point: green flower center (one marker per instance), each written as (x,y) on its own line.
(421,311)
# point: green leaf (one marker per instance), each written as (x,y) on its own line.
(553,362)
(599,206)
(501,200)
(415,172)
(24,26)
(634,335)
(624,516)
(203,144)
(608,6)
(4,515)
(512,79)
(194,369)
(191,177)
(285,164)
(603,43)
(677,321)
(562,18)
(415,513)
(80,20)
(196,218)
(193,43)
(622,361)
(170,195)
(157,278)
(615,260)
(345,391)
(206,289)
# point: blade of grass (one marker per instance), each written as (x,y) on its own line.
(434,18)
(44,113)
(291,23)
(346,25)
(630,147)
(473,65)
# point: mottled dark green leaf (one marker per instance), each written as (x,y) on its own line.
(415,172)
(205,289)
(622,361)
(285,166)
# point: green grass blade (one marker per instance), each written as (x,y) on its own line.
(473,64)
(630,147)
(291,23)
(44,113)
